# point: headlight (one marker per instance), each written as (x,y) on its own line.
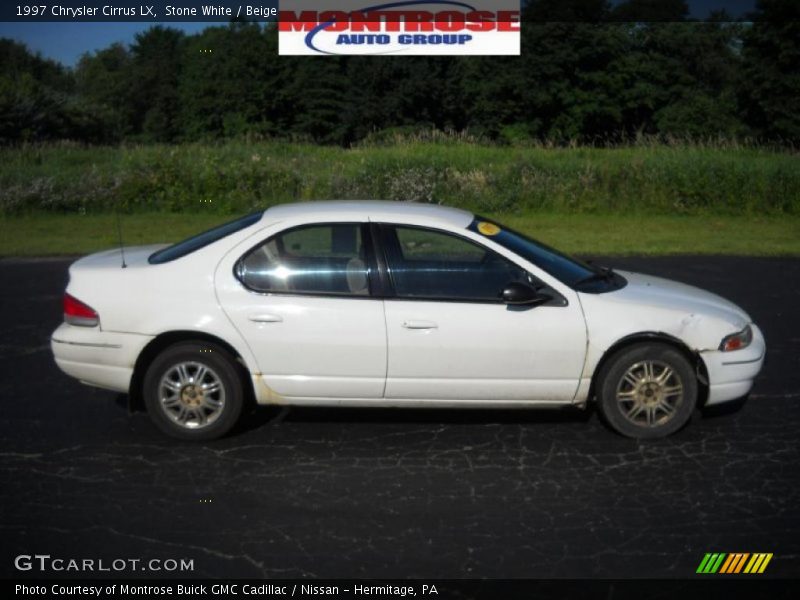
(737,341)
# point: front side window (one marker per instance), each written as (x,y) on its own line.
(315,259)
(426,263)
(574,273)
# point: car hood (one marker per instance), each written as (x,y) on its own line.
(650,304)
(648,289)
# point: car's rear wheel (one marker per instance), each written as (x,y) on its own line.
(193,391)
(647,391)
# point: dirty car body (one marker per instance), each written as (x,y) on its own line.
(394,304)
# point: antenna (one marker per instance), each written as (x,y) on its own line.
(121,245)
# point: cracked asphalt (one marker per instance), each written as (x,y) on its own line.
(388,493)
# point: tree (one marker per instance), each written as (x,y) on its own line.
(678,78)
(649,11)
(38,100)
(591,70)
(156,71)
(564,81)
(494,96)
(228,82)
(769,88)
(313,90)
(103,81)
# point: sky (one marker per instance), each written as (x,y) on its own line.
(67,41)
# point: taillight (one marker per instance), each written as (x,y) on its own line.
(78,313)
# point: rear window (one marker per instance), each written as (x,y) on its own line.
(200,240)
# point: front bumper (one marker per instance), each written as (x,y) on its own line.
(731,374)
(99,358)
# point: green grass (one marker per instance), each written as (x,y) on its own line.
(662,234)
(237,176)
(644,198)
(49,235)
(583,234)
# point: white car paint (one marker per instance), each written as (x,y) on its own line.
(479,351)
(387,352)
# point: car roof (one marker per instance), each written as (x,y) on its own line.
(374,210)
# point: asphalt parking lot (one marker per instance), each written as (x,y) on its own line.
(387,493)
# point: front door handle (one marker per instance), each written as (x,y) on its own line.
(265,318)
(420,325)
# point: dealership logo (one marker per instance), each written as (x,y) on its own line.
(403,27)
(734,563)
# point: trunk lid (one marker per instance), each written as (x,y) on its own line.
(135,256)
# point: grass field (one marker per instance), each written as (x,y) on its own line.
(644,198)
(239,176)
(587,235)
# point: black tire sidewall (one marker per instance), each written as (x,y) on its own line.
(616,367)
(206,353)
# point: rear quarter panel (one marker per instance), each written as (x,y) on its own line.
(152,299)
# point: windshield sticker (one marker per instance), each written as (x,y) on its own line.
(488,228)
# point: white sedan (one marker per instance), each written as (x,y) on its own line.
(394,304)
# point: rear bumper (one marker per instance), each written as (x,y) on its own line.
(99,358)
(731,374)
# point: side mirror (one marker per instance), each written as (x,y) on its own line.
(519,294)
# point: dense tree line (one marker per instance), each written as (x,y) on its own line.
(589,72)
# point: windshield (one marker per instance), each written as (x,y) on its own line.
(572,272)
(200,240)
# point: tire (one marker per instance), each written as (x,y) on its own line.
(647,391)
(193,391)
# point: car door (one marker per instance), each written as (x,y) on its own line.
(452,338)
(303,304)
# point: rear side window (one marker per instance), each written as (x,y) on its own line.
(200,240)
(325,259)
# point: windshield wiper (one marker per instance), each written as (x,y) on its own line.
(604,274)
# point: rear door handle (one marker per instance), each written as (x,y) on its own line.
(420,325)
(265,318)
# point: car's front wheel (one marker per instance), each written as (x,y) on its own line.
(647,390)
(193,391)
